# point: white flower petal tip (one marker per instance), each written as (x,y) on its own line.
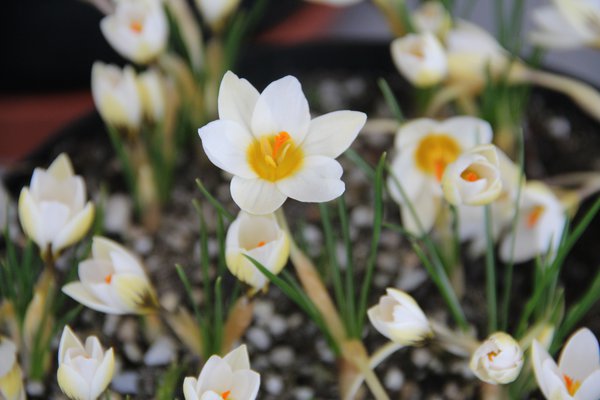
(138,29)
(498,360)
(577,375)
(84,371)
(52,210)
(113,281)
(215,12)
(420,58)
(398,317)
(261,238)
(432,16)
(11,375)
(222,378)
(474,178)
(271,146)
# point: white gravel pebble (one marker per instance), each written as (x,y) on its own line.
(126,382)
(294,321)
(258,338)
(362,217)
(143,245)
(132,352)
(410,279)
(263,311)
(117,213)
(127,330)
(421,357)
(274,384)
(282,356)
(394,379)
(325,353)
(303,393)
(277,325)
(111,322)
(161,352)
(35,388)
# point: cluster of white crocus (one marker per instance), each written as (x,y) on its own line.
(498,360)
(425,148)
(138,29)
(577,375)
(261,238)
(273,149)
(53,210)
(224,378)
(398,317)
(123,98)
(113,281)
(11,376)
(567,24)
(84,371)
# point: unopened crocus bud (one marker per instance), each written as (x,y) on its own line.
(399,318)
(474,178)
(261,238)
(138,30)
(432,16)
(498,360)
(229,377)
(215,12)
(152,92)
(53,210)
(420,58)
(11,376)
(113,281)
(84,371)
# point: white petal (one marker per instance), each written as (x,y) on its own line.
(331,134)
(539,356)
(580,356)
(469,131)
(103,374)
(68,340)
(317,181)
(407,176)
(72,383)
(426,207)
(256,196)
(282,107)
(75,229)
(590,388)
(247,383)
(216,375)
(413,131)
(237,99)
(238,358)
(29,216)
(61,168)
(79,293)
(8,355)
(121,259)
(189,388)
(53,218)
(226,143)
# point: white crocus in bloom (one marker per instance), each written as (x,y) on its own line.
(11,376)
(84,372)
(424,148)
(52,210)
(577,375)
(215,12)
(498,360)
(113,281)
(259,237)
(420,58)
(152,92)
(540,226)
(138,29)
(273,148)
(398,317)
(227,378)
(432,17)
(116,95)
(474,178)
(567,24)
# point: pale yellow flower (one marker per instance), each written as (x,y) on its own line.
(420,58)
(11,376)
(498,360)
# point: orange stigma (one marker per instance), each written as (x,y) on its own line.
(136,26)
(534,216)
(261,243)
(470,175)
(492,354)
(440,167)
(572,385)
(108,279)
(280,140)
(225,395)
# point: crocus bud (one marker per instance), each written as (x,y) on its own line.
(113,281)
(152,92)
(84,372)
(138,30)
(259,237)
(52,210)
(432,16)
(498,360)
(116,95)
(399,318)
(215,12)
(11,376)
(474,178)
(229,377)
(420,58)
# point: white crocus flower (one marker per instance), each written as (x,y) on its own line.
(539,227)
(116,95)
(432,16)
(152,92)
(273,148)
(424,148)
(420,58)
(113,281)
(84,372)
(11,376)
(577,375)
(474,178)
(498,360)
(215,12)
(259,237)
(138,30)
(398,317)
(52,210)
(567,24)
(227,378)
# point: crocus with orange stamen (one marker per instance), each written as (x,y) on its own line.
(498,360)
(273,148)
(420,58)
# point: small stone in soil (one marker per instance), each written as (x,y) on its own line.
(303,393)
(143,245)
(132,352)
(410,279)
(127,330)
(362,217)
(169,300)
(258,338)
(394,379)
(559,127)
(117,213)
(282,356)
(452,391)
(161,352)
(381,280)
(273,384)
(277,325)
(126,382)
(110,324)
(294,321)
(421,357)
(35,388)
(263,311)
(325,353)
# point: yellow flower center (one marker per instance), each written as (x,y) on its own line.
(435,152)
(136,26)
(534,216)
(572,385)
(275,157)
(470,175)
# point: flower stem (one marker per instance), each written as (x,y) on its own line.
(490,273)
